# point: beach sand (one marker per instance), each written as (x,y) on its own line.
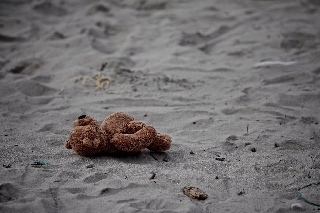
(236,84)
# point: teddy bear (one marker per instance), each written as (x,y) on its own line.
(118,133)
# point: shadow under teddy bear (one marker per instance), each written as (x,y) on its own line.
(119,132)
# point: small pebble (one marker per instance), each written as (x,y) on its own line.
(90,166)
(232,138)
(297,206)
(6,166)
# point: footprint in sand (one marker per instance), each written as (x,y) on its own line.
(297,40)
(50,9)
(9,192)
(193,39)
(27,66)
(13,30)
(95,178)
(103,46)
(99,8)
(309,100)
(33,88)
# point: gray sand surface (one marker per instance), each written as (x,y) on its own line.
(236,84)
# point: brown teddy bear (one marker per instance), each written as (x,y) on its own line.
(119,132)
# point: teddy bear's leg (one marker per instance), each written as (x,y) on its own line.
(161,143)
(115,122)
(134,142)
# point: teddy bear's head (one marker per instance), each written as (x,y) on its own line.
(86,138)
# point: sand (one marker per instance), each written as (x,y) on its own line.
(236,84)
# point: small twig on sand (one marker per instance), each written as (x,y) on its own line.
(247,133)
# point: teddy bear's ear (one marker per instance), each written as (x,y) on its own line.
(82,116)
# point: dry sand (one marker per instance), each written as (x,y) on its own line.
(202,71)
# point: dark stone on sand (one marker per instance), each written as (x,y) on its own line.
(220,159)
(232,138)
(90,166)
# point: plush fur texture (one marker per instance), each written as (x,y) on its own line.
(133,142)
(161,143)
(117,133)
(115,122)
